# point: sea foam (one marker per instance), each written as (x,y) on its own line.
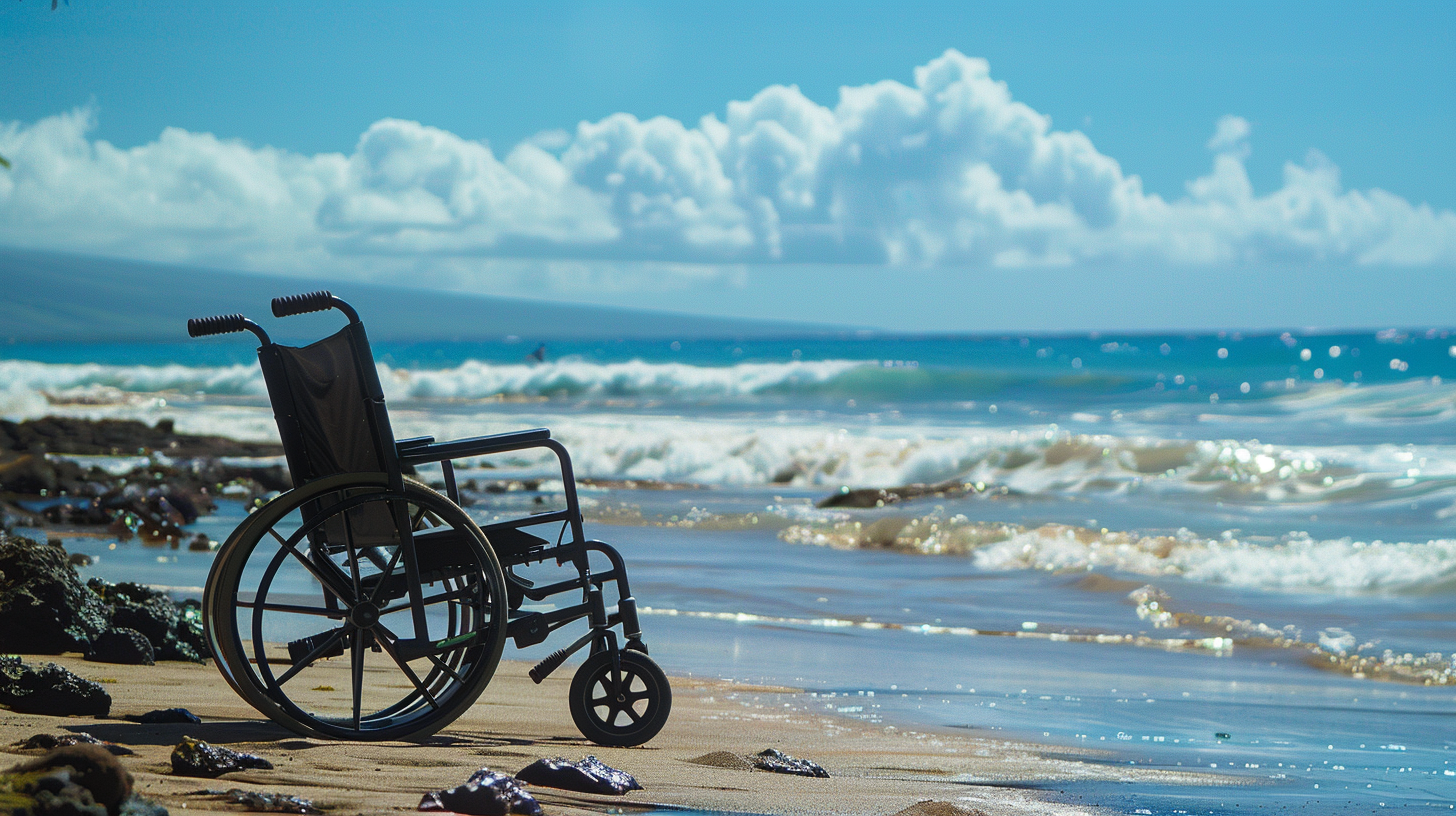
(1294,562)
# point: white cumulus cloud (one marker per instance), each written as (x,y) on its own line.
(949,170)
(1231,136)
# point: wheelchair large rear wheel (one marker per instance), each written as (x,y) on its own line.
(311,610)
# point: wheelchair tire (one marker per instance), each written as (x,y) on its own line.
(313,621)
(620,709)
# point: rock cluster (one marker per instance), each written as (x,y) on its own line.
(49,689)
(173,629)
(110,437)
(152,501)
(45,609)
(122,645)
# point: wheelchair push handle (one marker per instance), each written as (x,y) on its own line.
(224,324)
(320,301)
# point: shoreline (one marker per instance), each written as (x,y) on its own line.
(876,770)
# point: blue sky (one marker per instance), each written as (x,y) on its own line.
(1206,105)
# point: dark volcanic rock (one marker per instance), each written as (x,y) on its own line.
(270,802)
(780,762)
(170,715)
(33,474)
(189,627)
(74,780)
(122,645)
(49,689)
(486,793)
(44,607)
(590,775)
(174,630)
(156,618)
(48,742)
(880,497)
(193,757)
(108,437)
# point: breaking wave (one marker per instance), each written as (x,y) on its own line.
(576,378)
(632,437)
(474,379)
(1293,562)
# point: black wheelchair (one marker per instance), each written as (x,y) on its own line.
(363,563)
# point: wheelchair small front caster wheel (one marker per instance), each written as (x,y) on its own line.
(621,707)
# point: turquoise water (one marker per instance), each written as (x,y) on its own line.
(1152,540)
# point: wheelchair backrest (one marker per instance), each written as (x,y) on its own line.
(330,411)
(327,418)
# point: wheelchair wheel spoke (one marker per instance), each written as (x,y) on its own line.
(388,643)
(327,580)
(352,554)
(440,664)
(356,660)
(292,609)
(458,595)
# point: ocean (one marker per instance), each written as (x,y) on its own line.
(1220,551)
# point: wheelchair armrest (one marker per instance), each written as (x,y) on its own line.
(402,446)
(474,446)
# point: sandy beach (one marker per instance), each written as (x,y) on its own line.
(875,769)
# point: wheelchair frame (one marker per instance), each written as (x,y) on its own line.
(618,697)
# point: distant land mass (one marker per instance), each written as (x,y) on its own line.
(57,297)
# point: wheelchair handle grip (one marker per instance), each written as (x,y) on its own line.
(224,324)
(320,301)
(219,324)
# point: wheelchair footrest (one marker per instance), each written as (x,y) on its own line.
(415,648)
(553,661)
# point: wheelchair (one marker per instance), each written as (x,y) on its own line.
(364,605)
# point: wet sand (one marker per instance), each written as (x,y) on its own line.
(875,769)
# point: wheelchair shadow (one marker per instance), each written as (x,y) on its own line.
(219,732)
(224,732)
